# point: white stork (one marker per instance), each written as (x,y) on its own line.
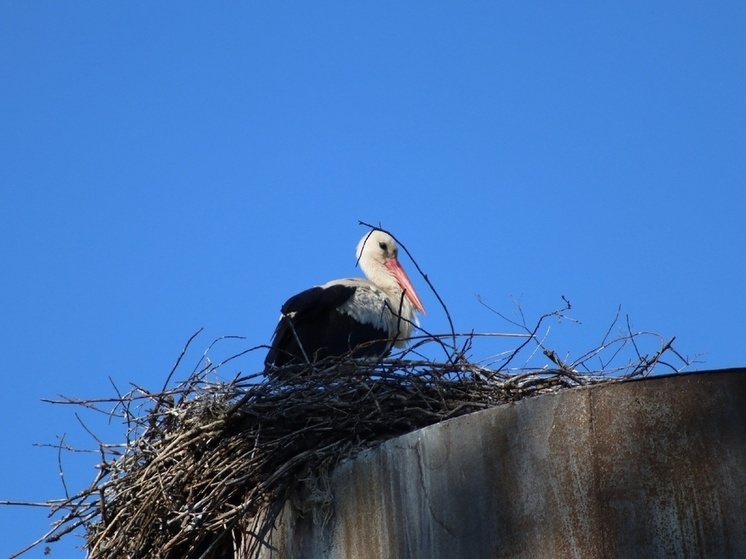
(356,317)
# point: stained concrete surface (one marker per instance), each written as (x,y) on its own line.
(653,468)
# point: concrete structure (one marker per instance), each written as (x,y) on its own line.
(653,468)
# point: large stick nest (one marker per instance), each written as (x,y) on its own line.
(208,465)
(226,454)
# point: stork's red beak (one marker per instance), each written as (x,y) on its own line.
(401,276)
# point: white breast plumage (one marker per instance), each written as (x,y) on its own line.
(371,305)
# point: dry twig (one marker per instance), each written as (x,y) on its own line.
(208,465)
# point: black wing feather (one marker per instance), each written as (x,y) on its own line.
(306,307)
(318,300)
(313,319)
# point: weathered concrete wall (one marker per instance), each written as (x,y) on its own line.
(654,468)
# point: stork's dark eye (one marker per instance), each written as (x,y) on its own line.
(384,247)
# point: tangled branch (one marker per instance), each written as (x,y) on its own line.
(206,466)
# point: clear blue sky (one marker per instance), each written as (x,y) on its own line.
(170,166)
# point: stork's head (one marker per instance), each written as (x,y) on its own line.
(378,254)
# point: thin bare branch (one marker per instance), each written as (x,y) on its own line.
(207,465)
